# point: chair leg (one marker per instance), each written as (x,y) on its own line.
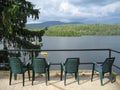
(92,75)
(101,77)
(111,77)
(33,77)
(29,74)
(23,78)
(93,68)
(65,79)
(61,74)
(78,78)
(46,77)
(48,74)
(10,78)
(15,76)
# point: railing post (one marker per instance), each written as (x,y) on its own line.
(109,52)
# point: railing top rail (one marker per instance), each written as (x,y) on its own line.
(56,50)
(115,51)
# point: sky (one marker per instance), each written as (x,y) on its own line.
(84,11)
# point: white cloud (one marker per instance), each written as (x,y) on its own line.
(68,8)
(64,10)
(111,8)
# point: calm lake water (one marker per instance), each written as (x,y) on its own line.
(83,42)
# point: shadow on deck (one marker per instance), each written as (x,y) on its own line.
(56,84)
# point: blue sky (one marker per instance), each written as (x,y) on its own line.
(85,11)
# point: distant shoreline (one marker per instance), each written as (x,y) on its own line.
(80,29)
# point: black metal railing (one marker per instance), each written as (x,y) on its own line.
(32,51)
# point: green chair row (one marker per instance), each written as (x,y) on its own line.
(71,65)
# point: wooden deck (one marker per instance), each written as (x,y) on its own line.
(56,84)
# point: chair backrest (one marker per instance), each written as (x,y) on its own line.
(39,65)
(72,65)
(107,65)
(15,65)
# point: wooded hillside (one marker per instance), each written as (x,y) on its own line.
(82,29)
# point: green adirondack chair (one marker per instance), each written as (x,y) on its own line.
(105,67)
(40,66)
(16,67)
(71,65)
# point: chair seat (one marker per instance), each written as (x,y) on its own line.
(24,70)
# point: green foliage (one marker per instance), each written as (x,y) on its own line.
(15,13)
(83,29)
(13,17)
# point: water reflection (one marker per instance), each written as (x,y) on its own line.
(84,42)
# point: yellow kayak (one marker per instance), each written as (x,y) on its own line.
(44,53)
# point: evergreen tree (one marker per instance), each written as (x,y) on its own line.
(13,18)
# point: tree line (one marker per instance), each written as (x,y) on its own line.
(82,29)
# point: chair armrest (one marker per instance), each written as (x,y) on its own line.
(63,66)
(48,63)
(97,67)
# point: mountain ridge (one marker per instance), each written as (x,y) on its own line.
(50,23)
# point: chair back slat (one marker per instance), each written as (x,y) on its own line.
(15,65)
(39,65)
(107,65)
(71,65)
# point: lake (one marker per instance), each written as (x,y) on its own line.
(83,42)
